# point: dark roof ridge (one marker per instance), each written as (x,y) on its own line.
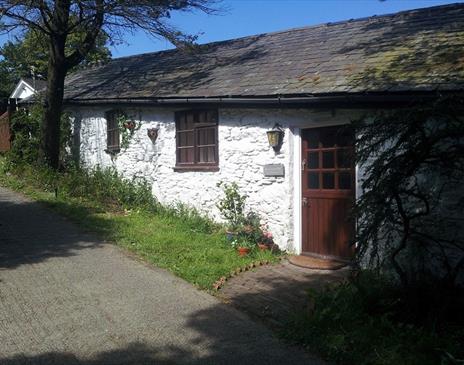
(305,27)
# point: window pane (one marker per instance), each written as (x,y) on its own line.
(201,117)
(212,154)
(211,116)
(328,180)
(201,135)
(328,159)
(206,154)
(112,136)
(313,160)
(313,180)
(211,138)
(185,155)
(206,136)
(181,124)
(344,158)
(185,139)
(189,121)
(344,180)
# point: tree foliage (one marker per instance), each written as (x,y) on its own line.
(25,136)
(27,56)
(60,20)
(411,212)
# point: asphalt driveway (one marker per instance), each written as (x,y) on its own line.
(68,298)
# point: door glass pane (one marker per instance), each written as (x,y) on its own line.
(313,180)
(328,138)
(328,180)
(344,158)
(313,160)
(344,180)
(328,159)
(313,139)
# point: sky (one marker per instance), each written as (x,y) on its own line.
(247,17)
(239,18)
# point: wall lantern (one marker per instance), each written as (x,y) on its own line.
(152,134)
(275,137)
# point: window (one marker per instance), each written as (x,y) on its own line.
(112,132)
(197,140)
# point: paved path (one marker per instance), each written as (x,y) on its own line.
(68,298)
(272,293)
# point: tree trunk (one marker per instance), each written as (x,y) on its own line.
(50,146)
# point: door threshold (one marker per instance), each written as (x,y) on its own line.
(315,263)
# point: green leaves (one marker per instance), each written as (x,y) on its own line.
(232,206)
(28,55)
(412,163)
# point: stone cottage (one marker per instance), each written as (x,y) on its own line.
(201,115)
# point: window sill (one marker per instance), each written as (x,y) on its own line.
(113,151)
(196,168)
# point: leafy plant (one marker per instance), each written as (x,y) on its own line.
(408,214)
(127,127)
(232,205)
(242,241)
(366,320)
(25,125)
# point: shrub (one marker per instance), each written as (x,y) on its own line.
(367,321)
(408,217)
(232,205)
(25,135)
(25,128)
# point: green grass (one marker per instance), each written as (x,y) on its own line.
(175,238)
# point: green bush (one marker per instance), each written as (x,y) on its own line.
(25,128)
(232,205)
(25,135)
(361,322)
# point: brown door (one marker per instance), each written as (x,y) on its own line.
(328,184)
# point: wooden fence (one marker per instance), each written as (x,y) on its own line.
(5,132)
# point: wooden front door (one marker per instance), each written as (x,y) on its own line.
(328,191)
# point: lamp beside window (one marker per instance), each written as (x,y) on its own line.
(275,136)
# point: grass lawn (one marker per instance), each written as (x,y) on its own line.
(191,247)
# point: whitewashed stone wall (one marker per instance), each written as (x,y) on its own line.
(243,151)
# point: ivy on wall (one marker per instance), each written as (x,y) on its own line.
(127,128)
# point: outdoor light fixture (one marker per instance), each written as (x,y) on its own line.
(152,134)
(275,137)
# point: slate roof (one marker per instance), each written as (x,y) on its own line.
(37,84)
(418,50)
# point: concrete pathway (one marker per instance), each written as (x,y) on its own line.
(273,293)
(68,298)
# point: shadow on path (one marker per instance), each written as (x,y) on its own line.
(30,233)
(66,298)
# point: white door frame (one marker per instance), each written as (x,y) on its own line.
(297,231)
